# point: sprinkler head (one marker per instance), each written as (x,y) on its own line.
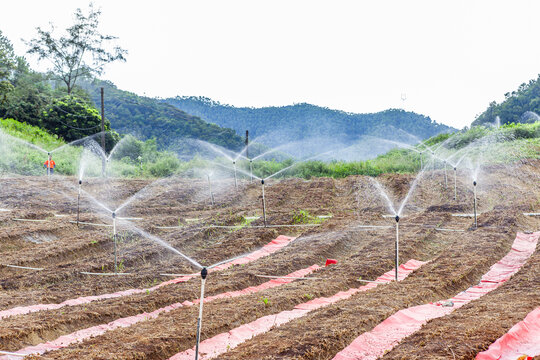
(474,183)
(234,162)
(113,215)
(455,168)
(251,160)
(80,182)
(49,154)
(397,218)
(204,273)
(262,181)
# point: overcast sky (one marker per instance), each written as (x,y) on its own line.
(450,58)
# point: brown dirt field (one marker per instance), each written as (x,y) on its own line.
(458,259)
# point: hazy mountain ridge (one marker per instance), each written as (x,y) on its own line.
(147,117)
(301,121)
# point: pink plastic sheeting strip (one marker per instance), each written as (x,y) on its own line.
(219,344)
(386,335)
(270,248)
(522,339)
(66,340)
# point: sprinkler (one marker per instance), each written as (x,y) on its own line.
(115,247)
(78,201)
(235,178)
(455,183)
(204,274)
(210,187)
(263,203)
(397,246)
(251,169)
(475,221)
(48,166)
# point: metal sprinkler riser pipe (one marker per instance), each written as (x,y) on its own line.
(397,248)
(475,217)
(263,203)
(204,274)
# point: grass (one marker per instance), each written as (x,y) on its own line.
(139,159)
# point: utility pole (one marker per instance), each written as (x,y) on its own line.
(102,131)
(247,143)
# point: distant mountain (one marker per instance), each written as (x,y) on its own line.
(148,117)
(277,125)
(520,106)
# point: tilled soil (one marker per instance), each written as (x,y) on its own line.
(457,261)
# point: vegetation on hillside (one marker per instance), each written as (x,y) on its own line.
(519,106)
(132,157)
(278,125)
(148,118)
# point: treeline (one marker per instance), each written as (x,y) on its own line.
(72,113)
(519,106)
(147,118)
(271,125)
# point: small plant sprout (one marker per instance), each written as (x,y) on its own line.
(265,301)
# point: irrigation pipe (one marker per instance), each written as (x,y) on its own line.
(13,354)
(104,274)
(23,267)
(178,275)
(531,214)
(87,223)
(289,277)
(30,220)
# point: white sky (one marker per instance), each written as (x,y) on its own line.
(450,58)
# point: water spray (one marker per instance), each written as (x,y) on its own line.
(475,220)
(210,188)
(235,178)
(204,274)
(251,169)
(263,203)
(455,183)
(78,201)
(397,246)
(445,176)
(115,247)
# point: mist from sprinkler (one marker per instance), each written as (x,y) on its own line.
(397,214)
(210,189)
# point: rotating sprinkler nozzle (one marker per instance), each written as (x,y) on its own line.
(204,274)
(115,246)
(263,203)
(475,219)
(397,247)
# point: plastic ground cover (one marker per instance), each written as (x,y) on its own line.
(219,344)
(386,335)
(270,248)
(522,339)
(66,340)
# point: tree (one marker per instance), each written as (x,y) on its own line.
(82,51)
(71,118)
(7,64)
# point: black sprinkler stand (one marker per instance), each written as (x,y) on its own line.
(204,273)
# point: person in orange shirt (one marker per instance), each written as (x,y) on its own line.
(49,165)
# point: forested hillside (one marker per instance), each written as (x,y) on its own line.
(519,106)
(301,121)
(147,118)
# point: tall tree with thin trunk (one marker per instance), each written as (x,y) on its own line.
(81,51)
